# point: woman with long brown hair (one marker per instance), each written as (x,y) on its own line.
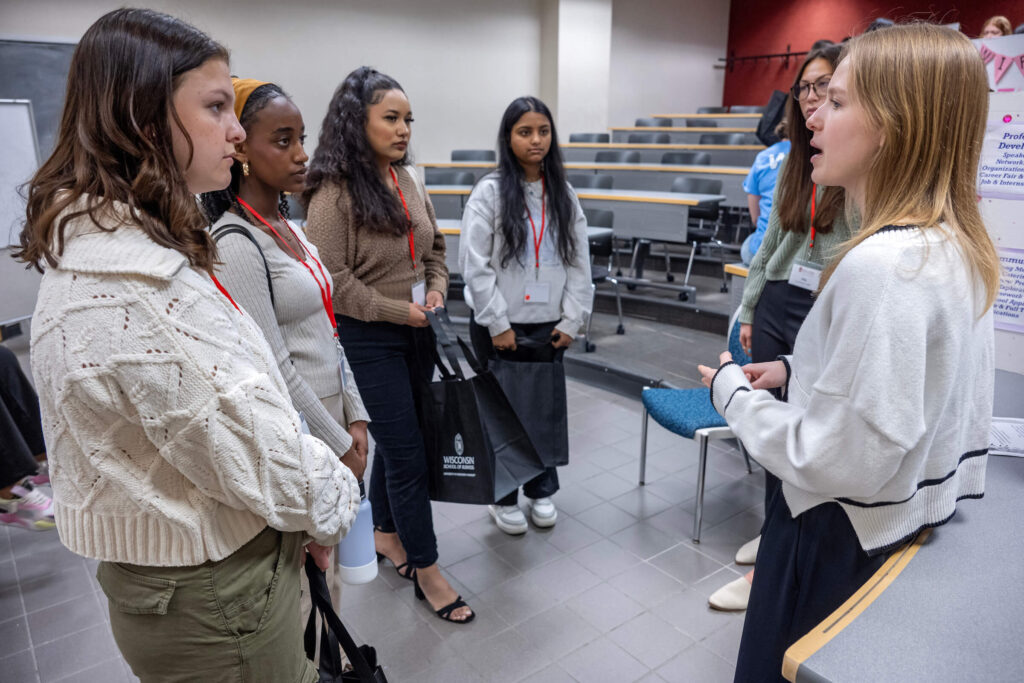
(890,384)
(176,457)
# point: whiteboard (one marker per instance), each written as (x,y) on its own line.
(19,150)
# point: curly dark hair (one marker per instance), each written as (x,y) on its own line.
(215,204)
(344,156)
(114,140)
(510,181)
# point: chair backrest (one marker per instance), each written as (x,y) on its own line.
(656,122)
(438,176)
(649,138)
(701,123)
(697,185)
(728,139)
(599,246)
(600,181)
(745,109)
(474,155)
(686,158)
(599,218)
(618,156)
(712,110)
(738,354)
(589,137)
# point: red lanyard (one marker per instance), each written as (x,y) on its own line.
(814,192)
(324,287)
(224,291)
(412,241)
(543,219)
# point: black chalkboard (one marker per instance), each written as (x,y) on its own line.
(37,72)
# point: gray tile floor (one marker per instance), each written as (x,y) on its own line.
(615,592)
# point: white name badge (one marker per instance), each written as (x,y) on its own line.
(805,275)
(537,292)
(419,293)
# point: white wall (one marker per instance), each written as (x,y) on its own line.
(663,56)
(460,61)
(584,55)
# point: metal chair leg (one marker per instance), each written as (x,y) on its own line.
(698,515)
(746,456)
(643,447)
(621,329)
(689,264)
(588,346)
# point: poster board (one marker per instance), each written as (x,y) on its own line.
(1004,61)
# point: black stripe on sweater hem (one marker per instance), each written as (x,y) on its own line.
(711,389)
(736,391)
(920,485)
(909,537)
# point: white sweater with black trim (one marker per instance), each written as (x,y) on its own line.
(889,394)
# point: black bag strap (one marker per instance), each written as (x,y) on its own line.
(321,599)
(235,229)
(436,317)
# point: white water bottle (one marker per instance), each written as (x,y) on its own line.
(357,555)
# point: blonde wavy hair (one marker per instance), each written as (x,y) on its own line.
(925,88)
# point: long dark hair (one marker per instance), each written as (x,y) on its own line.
(510,182)
(215,204)
(795,180)
(114,141)
(344,156)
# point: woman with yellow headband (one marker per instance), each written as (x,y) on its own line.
(276,275)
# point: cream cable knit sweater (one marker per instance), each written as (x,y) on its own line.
(170,434)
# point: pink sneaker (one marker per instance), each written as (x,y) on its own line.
(43,476)
(30,508)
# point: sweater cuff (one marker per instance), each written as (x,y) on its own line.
(789,373)
(746,316)
(569,328)
(727,381)
(393,311)
(499,326)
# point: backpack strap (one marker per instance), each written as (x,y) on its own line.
(233,229)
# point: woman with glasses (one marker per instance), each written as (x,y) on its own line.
(804,229)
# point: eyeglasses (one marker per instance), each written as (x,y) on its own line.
(800,91)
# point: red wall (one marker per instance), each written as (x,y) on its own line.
(757,27)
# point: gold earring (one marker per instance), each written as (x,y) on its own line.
(245,168)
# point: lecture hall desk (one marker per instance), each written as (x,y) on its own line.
(722,120)
(725,155)
(676,135)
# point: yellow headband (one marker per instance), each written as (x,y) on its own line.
(243,88)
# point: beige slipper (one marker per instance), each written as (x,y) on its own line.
(747,553)
(732,597)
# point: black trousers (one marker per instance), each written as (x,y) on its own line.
(388,361)
(806,568)
(546,483)
(779,313)
(21,428)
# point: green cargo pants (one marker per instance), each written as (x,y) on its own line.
(234,620)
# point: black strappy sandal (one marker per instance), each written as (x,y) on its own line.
(404,570)
(446,611)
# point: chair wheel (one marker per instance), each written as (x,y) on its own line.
(631,287)
(618,273)
(620,330)
(669,277)
(684,296)
(724,289)
(589,347)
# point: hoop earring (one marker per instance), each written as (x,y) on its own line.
(245,168)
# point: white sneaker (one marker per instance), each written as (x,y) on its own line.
(543,512)
(509,518)
(747,553)
(732,597)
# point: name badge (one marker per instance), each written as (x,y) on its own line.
(537,292)
(805,275)
(419,293)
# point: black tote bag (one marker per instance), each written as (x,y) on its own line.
(334,638)
(477,449)
(536,391)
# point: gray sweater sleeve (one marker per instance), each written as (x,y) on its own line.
(242,273)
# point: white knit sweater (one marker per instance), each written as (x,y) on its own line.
(889,397)
(169,431)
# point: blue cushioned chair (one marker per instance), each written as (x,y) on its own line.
(689,413)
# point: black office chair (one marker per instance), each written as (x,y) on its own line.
(649,138)
(592,181)
(700,123)
(728,139)
(686,158)
(474,155)
(745,109)
(618,156)
(712,110)
(438,176)
(601,246)
(589,137)
(700,235)
(656,122)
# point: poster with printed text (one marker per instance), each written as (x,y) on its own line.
(1008,310)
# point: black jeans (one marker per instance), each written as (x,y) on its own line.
(778,315)
(21,428)
(388,361)
(545,484)
(806,568)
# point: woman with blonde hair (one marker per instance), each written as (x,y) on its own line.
(995,27)
(889,388)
